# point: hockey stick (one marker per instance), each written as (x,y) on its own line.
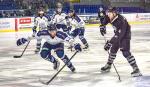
(48,82)
(19,56)
(113,63)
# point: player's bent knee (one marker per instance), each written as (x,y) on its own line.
(43,54)
(60,53)
(126,53)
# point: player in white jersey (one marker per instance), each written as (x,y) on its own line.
(60,20)
(54,41)
(79,25)
(41,22)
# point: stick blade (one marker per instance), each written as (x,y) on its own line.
(16,56)
(45,83)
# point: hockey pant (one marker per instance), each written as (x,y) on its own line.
(125,48)
(59,49)
(79,32)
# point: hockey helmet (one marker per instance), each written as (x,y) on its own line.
(52,27)
(112,9)
(71,11)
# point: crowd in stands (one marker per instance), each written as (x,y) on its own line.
(19,8)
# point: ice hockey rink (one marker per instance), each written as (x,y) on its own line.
(28,70)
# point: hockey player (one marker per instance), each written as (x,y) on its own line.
(60,20)
(121,40)
(54,41)
(79,25)
(103,20)
(41,22)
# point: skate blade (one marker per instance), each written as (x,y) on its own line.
(42,82)
(73,71)
(106,71)
(136,75)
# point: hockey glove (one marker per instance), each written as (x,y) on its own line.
(102,30)
(77,47)
(21,41)
(107,46)
(67,17)
(69,28)
(34,31)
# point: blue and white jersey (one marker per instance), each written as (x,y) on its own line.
(41,22)
(60,19)
(59,38)
(77,22)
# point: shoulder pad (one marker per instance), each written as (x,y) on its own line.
(35,16)
(48,17)
(43,32)
(61,35)
(64,12)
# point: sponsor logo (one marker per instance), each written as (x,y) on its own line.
(24,20)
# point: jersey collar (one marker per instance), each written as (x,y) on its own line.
(114,19)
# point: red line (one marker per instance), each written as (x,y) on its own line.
(16,25)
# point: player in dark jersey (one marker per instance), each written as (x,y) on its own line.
(104,20)
(120,40)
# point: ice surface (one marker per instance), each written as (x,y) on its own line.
(26,71)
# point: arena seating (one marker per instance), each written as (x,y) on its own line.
(8,5)
(94,9)
(131,9)
(87,8)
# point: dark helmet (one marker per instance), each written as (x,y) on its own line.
(72,11)
(112,9)
(59,5)
(52,27)
(41,10)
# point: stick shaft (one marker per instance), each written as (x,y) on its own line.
(61,68)
(24,49)
(113,63)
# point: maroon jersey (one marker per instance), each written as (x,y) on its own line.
(121,28)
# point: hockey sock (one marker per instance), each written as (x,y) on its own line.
(65,60)
(83,40)
(111,58)
(38,46)
(131,60)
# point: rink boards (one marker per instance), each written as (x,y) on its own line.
(26,23)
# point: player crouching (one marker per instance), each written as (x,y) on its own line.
(54,41)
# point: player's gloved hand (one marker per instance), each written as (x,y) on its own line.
(34,31)
(102,30)
(77,47)
(67,17)
(33,35)
(21,41)
(69,28)
(107,45)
